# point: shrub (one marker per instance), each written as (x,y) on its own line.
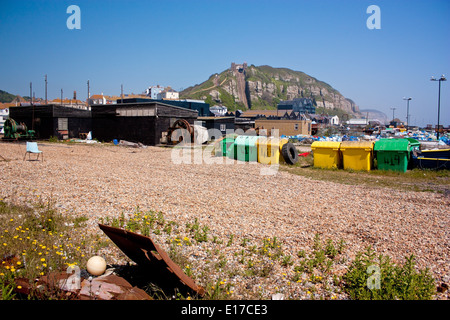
(372,278)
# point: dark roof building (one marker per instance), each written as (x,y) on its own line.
(201,107)
(143,122)
(302,105)
(52,120)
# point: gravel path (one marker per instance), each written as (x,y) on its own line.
(104,180)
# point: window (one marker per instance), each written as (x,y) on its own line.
(296,126)
(223,127)
(62,124)
(135,112)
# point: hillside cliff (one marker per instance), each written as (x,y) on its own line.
(263,87)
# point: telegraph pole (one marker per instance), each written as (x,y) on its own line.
(32,105)
(88,94)
(46,89)
(393,117)
(31,93)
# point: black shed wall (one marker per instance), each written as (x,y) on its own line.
(46,119)
(108,125)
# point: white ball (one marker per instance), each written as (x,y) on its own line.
(96,266)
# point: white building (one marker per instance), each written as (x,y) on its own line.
(334,120)
(153,91)
(358,122)
(168,94)
(97,99)
(218,111)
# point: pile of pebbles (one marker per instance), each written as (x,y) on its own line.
(233,198)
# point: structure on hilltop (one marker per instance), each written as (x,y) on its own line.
(239,71)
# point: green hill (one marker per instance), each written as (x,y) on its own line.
(263,87)
(6,96)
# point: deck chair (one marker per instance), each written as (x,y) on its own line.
(32,147)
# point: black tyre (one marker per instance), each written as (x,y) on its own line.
(289,153)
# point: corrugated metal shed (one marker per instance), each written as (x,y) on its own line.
(137,122)
(53,120)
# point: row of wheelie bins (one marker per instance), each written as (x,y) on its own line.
(390,154)
(266,150)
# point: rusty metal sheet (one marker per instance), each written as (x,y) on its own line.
(111,287)
(142,250)
(106,287)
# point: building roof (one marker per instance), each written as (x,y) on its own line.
(267,113)
(6,105)
(218,108)
(170,90)
(215,118)
(65,101)
(97,96)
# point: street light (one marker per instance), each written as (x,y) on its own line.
(407,111)
(442,78)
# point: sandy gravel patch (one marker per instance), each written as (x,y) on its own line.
(104,180)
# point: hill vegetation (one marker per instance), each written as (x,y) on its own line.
(265,87)
(6,97)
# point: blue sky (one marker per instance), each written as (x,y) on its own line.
(181,43)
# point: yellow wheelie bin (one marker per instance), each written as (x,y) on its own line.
(326,154)
(269,149)
(357,155)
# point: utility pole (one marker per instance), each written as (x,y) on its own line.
(393,110)
(88,93)
(31,94)
(61,96)
(46,89)
(32,105)
(121,93)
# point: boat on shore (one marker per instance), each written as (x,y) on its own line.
(432,159)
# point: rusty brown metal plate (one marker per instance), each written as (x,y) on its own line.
(145,252)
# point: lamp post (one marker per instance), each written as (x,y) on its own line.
(407,111)
(442,78)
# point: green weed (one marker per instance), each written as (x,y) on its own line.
(378,278)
